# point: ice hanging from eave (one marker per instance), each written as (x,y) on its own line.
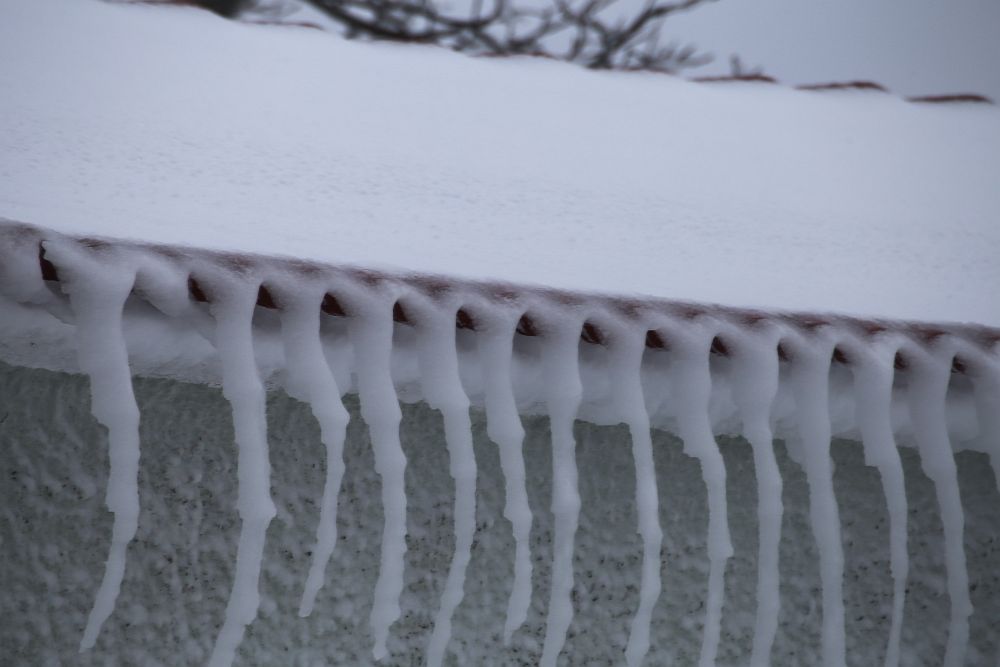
(642,390)
(232,305)
(930,374)
(371,335)
(442,389)
(809,378)
(755,385)
(627,349)
(311,380)
(503,425)
(562,395)
(97,295)
(873,378)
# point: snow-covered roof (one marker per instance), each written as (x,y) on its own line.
(186,129)
(184,196)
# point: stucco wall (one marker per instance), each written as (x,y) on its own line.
(54,533)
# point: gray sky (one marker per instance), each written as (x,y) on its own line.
(911,46)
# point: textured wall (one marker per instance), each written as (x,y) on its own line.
(54,533)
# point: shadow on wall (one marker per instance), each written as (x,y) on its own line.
(54,532)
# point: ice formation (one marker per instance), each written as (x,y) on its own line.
(626,365)
(873,378)
(810,378)
(232,306)
(710,373)
(693,382)
(97,295)
(442,389)
(755,385)
(371,334)
(504,427)
(310,380)
(563,391)
(930,374)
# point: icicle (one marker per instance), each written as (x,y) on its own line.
(695,382)
(755,385)
(311,381)
(442,388)
(873,379)
(926,393)
(563,392)
(503,425)
(371,335)
(627,388)
(232,307)
(97,296)
(811,380)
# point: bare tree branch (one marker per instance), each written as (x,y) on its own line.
(579,32)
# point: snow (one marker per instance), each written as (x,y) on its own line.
(293,142)
(413,163)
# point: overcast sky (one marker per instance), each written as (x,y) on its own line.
(911,46)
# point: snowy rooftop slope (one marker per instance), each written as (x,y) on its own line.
(170,125)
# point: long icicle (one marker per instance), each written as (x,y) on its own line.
(811,379)
(873,379)
(926,392)
(98,298)
(503,425)
(563,393)
(310,380)
(371,335)
(693,377)
(755,385)
(242,387)
(626,384)
(442,388)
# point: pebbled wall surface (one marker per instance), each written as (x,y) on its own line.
(54,532)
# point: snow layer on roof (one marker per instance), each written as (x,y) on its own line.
(172,125)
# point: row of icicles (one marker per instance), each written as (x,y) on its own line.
(98,294)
